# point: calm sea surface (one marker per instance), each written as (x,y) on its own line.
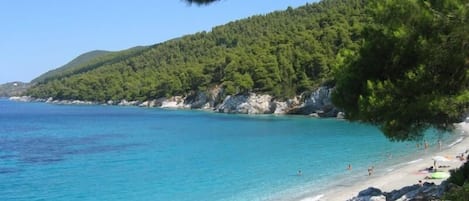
(108,153)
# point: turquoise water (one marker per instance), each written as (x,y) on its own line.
(57,152)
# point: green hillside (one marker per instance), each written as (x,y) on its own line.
(283,53)
(82,59)
(86,62)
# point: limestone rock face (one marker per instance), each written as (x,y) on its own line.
(128,103)
(175,102)
(247,104)
(199,100)
(318,103)
(285,106)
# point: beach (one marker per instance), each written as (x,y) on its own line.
(406,175)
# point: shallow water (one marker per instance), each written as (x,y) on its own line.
(57,152)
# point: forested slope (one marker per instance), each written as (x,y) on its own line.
(86,62)
(282,53)
(80,60)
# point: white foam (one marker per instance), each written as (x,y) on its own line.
(414,161)
(390,169)
(456,142)
(315,198)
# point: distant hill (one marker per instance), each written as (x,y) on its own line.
(85,62)
(13,89)
(75,62)
(284,53)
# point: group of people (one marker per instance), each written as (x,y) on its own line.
(425,145)
(349,167)
(370,169)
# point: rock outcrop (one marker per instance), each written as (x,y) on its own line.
(427,191)
(21,98)
(247,104)
(317,103)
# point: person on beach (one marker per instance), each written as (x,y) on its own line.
(420,183)
(370,170)
(425,144)
(349,167)
(389,155)
(299,172)
(461,157)
(439,144)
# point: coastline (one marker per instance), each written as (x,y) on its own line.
(402,176)
(317,103)
(405,174)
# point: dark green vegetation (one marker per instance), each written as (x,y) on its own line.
(13,89)
(459,190)
(200,2)
(412,72)
(401,65)
(282,53)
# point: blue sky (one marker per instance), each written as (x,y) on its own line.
(37,36)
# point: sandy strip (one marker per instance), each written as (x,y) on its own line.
(403,176)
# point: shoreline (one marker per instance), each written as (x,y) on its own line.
(313,104)
(402,175)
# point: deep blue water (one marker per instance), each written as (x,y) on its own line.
(108,153)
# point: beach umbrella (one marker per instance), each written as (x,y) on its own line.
(440,175)
(439,159)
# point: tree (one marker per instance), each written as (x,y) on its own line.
(200,2)
(278,54)
(412,72)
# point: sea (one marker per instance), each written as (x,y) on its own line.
(115,153)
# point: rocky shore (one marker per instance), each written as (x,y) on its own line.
(317,103)
(426,191)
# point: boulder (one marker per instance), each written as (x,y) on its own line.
(378,198)
(280,107)
(198,100)
(148,103)
(402,193)
(371,191)
(318,103)
(21,98)
(247,104)
(283,107)
(175,102)
(128,103)
(369,194)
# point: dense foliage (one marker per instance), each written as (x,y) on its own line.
(412,72)
(399,64)
(201,1)
(86,62)
(459,191)
(81,60)
(282,53)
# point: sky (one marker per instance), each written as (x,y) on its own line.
(38,36)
